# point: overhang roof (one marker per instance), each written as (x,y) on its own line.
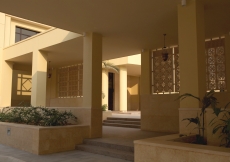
(127,26)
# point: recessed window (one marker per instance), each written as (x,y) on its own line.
(165,74)
(70,81)
(22,33)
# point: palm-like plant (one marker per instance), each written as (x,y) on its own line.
(108,65)
(206,101)
(222,124)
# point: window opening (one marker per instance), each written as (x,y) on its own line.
(70,81)
(215,65)
(165,74)
(22,33)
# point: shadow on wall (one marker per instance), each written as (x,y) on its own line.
(21,86)
(133,97)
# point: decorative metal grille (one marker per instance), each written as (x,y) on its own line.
(70,81)
(165,74)
(215,64)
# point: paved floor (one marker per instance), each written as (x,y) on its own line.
(118,135)
(126,136)
(70,156)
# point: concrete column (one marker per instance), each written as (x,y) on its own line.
(92,78)
(6,69)
(145,79)
(105,86)
(39,76)
(123,88)
(192,51)
(6,72)
(227,55)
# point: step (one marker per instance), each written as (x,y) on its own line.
(122,122)
(126,119)
(108,145)
(107,152)
(121,125)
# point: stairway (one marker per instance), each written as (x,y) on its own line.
(122,122)
(107,149)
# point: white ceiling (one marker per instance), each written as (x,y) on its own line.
(127,26)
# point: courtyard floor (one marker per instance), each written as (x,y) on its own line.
(117,135)
(114,135)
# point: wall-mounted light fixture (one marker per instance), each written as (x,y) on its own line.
(183,2)
(164,51)
(49,70)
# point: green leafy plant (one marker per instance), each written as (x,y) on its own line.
(221,124)
(108,65)
(206,101)
(104,107)
(36,116)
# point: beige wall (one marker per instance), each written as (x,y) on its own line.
(42,140)
(160,113)
(133,101)
(166,149)
(17,98)
(52,99)
(133,93)
(24,24)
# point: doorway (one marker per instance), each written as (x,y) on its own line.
(111,91)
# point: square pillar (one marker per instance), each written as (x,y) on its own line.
(92,78)
(105,87)
(227,55)
(123,88)
(6,69)
(6,72)
(192,51)
(145,85)
(39,76)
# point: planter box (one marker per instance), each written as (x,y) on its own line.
(42,140)
(165,149)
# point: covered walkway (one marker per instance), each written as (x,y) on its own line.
(113,135)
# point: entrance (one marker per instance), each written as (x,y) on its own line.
(111,91)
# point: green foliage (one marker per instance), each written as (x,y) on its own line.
(36,116)
(222,124)
(103,95)
(108,65)
(104,107)
(206,101)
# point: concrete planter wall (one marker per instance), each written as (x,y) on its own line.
(42,140)
(165,149)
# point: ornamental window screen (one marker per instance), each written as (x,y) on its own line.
(70,81)
(165,74)
(215,65)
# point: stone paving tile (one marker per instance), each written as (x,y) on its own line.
(70,156)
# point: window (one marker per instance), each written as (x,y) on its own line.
(215,64)
(70,81)
(165,74)
(22,33)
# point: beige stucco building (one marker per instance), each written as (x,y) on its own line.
(86,33)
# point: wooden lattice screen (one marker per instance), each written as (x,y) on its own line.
(165,74)
(215,64)
(70,81)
